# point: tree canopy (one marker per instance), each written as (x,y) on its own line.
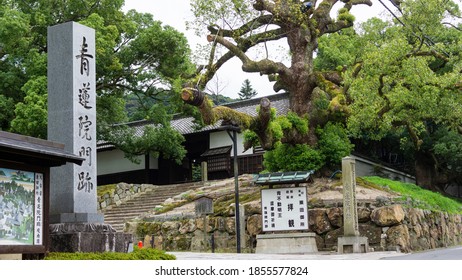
(135,56)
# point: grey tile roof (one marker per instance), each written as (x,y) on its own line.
(280,102)
(186,125)
(25,146)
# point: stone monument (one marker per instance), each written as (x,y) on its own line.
(72,121)
(350,242)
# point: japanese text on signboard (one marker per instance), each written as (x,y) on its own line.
(284,209)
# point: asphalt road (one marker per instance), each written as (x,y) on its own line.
(452,253)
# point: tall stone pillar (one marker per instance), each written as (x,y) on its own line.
(350,242)
(75,224)
(72,121)
(350,211)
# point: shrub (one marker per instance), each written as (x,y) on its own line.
(333,143)
(137,254)
(286,157)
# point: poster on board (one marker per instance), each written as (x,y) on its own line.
(21,207)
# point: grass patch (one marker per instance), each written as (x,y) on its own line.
(137,254)
(419,197)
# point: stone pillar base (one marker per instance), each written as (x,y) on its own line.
(353,244)
(292,243)
(84,237)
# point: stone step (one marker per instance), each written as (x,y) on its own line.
(135,207)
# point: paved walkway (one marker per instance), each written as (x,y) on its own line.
(317,256)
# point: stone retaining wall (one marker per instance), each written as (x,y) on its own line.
(122,192)
(390,227)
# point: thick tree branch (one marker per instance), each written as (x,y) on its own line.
(211,115)
(430,53)
(264,66)
(244,29)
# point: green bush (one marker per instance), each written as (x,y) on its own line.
(333,143)
(137,254)
(286,157)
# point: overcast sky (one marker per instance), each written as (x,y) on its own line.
(230,77)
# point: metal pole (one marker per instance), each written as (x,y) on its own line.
(236,194)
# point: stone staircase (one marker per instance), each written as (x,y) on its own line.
(117,216)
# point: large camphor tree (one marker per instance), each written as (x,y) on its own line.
(381,79)
(240,26)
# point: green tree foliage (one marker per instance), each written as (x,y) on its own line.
(135,55)
(334,143)
(407,78)
(247,92)
(400,76)
(299,157)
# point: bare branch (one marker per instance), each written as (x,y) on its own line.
(264,66)
(244,29)
(452,25)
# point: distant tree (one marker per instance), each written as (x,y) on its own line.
(247,91)
(136,56)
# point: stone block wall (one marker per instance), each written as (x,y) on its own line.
(390,227)
(121,193)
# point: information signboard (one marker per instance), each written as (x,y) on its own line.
(284,209)
(21,207)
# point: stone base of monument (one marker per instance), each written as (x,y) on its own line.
(353,244)
(291,243)
(87,237)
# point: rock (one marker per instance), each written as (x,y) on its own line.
(372,232)
(382,201)
(231,225)
(198,241)
(170,228)
(388,215)
(364,215)
(188,226)
(253,207)
(331,238)
(415,216)
(335,216)
(254,225)
(399,236)
(210,224)
(169,201)
(318,221)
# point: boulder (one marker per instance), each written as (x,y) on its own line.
(388,215)
(331,238)
(364,215)
(372,232)
(335,216)
(399,236)
(254,225)
(187,226)
(318,221)
(252,208)
(231,225)
(170,228)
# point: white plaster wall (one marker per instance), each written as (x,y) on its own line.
(114,161)
(364,167)
(221,138)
